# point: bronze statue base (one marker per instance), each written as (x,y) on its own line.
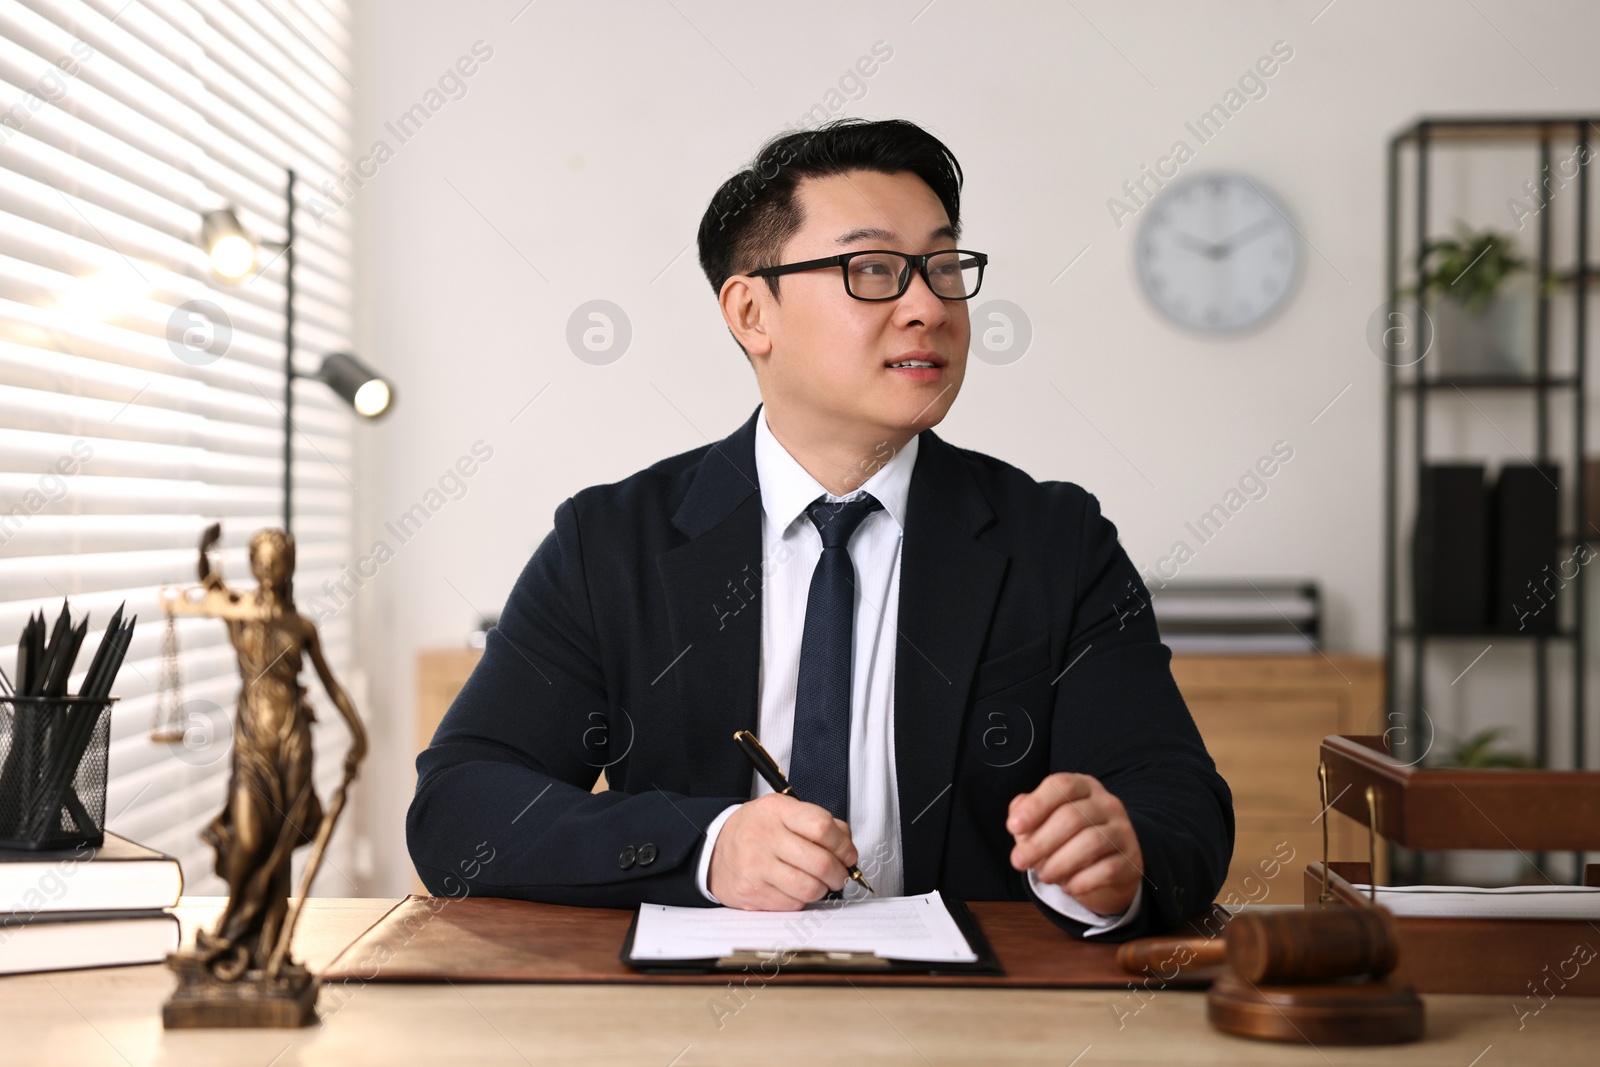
(203,1000)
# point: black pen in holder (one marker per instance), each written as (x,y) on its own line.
(53,771)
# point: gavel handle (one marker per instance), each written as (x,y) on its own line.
(1161,954)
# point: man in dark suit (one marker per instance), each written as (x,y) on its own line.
(956,663)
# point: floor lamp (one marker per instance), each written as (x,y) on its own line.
(233,253)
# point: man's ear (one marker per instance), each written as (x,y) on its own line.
(744,309)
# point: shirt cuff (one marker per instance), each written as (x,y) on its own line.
(1058,899)
(703,870)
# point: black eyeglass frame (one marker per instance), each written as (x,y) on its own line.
(918,263)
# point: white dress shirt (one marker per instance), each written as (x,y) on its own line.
(791,548)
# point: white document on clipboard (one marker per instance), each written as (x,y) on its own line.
(902,928)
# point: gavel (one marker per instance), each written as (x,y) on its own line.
(1315,975)
(1282,947)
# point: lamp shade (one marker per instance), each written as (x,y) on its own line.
(230,248)
(362,387)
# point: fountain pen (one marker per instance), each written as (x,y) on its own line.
(767,767)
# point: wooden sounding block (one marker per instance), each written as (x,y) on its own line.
(1368,1012)
(1312,976)
(1316,977)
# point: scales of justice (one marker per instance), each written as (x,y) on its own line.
(239,972)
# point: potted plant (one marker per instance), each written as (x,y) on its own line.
(1479,751)
(1480,867)
(1484,323)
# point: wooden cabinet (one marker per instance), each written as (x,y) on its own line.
(1263,719)
(441,672)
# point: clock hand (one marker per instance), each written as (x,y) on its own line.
(1194,244)
(1249,233)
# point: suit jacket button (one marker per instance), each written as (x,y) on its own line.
(647,854)
(625,860)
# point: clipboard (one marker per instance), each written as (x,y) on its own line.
(827,961)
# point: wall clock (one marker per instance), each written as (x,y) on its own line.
(1216,252)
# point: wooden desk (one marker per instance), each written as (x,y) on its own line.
(113,1016)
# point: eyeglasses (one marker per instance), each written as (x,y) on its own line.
(878,274)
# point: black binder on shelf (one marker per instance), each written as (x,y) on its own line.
(1526,580)
(1452,549)
(825,961)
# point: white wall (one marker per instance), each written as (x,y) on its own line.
(585,149)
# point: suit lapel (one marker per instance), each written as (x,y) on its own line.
(949,584)
(713,588)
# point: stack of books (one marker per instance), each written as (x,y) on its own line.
(87,907)
(1239,617)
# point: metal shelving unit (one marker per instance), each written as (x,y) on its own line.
(1545,387)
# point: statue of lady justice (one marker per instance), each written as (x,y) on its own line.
(239,973)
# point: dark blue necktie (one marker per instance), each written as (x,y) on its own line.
(820,755)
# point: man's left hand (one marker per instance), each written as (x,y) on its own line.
(1076,835)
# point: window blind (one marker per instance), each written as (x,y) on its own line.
(120,123)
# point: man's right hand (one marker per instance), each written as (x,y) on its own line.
(776,853)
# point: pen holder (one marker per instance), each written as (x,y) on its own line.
(53,754)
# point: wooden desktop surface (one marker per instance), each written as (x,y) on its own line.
(113,1016)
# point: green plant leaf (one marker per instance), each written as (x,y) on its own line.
(1479,751)
(1470,267)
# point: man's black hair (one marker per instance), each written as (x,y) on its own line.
(755,212)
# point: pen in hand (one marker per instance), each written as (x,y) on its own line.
(767,767)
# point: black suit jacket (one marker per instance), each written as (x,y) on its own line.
(631,641)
